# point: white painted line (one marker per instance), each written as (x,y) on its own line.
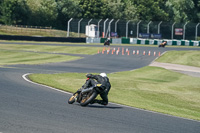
(24,77)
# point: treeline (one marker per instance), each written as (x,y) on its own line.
(56,13)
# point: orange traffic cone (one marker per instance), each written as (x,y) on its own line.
(144,53)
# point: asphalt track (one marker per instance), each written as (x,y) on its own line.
(31,108)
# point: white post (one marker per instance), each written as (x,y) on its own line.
(148,26)
(109,26)
(196,31)
(89,27)
(173,30)
(159,27)
(68,27)
(104,30)
(116,26)
(127,29)
(98,27)
(138,25)
(79,26)
(184,30)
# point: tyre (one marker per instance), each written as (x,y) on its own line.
(89,98)
(73,98)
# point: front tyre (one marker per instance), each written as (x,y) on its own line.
(73,98)
(89,98)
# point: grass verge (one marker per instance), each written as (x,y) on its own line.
(51,49)
(190,58)
(149,88)
(14,57)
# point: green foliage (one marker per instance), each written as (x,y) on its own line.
(151,10)
(14,12)
(57,12)
(117,9)
(92,9)
(181,10)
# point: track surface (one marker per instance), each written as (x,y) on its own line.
(30,108)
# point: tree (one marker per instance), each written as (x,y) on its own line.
(14,12)
(151,10)
(130,11)
(44,13)
(93,9)
(67,9)
(181,10)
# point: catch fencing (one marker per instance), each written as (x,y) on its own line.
(130,29)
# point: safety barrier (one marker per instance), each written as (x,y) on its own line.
(144,41)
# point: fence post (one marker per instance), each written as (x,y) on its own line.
(104,26)
(159,27)
(173,30)
(109,26)
(196,32)
(138,25)
(184,30)
(98,27)
(148,26)
(68,27)
(127,29)
(79,26)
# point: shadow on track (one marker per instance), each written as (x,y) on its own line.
(100,106)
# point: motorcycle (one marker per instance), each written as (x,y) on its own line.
(86,96)
(163,44)
(107,42)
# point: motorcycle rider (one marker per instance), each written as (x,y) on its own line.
(105,86)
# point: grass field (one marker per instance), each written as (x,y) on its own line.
(28,54)
(190,58)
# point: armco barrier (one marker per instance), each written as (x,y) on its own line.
(51,39)
(149,41)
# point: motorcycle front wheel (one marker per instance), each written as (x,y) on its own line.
(73,98)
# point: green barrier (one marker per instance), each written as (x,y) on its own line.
(147,42)
(182,43)
(138,41)
(125,41)
(155,42)
(104,39)
(191,43)
(174,42)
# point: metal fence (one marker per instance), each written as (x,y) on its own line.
(129,29)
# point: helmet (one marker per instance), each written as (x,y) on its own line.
(103,75)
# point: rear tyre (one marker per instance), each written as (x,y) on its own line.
(73,98)
(89,98)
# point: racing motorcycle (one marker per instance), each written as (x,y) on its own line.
(86,96)
(163,44)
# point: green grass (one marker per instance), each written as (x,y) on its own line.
(11,54)
(13,57)
(149,88)
(190,58)
(51,49)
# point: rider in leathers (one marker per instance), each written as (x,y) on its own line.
(105,86)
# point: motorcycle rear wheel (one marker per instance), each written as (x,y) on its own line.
(90,97)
